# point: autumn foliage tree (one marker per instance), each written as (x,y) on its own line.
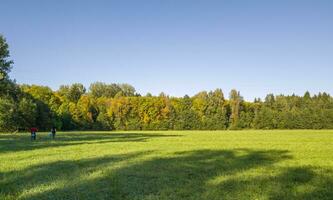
(111,106)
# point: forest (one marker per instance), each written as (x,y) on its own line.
(111,106)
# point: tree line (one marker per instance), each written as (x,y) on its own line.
(118,107)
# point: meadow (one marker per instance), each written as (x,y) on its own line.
(159,165)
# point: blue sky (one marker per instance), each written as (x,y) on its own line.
(175,46)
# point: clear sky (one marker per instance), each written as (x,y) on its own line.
(175,46)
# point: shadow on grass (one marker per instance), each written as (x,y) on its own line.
(14,182)
(181,176)
(203,174)
(21,142)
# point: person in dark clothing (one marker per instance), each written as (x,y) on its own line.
(33,131)
(53,131)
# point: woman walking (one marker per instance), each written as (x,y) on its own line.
(33,131)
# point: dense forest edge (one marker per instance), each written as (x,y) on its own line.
(118,107)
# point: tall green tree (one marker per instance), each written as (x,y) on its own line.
(8,115)
(5,62)
(72,92)
(27,113)
(7,86)
(235,102)
(100,89)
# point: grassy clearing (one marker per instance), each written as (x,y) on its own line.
(168,165)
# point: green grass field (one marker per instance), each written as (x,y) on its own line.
(168,165)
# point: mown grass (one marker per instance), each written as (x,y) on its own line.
(168,165)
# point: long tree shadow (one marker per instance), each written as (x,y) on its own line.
(14,182)
(184,175)
(303,183)
(15,143)
(181,176)
(299,183)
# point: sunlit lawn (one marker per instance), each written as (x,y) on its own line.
(168,165)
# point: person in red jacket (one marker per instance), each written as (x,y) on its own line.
(33,131)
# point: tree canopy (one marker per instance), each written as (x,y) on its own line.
(111,106)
